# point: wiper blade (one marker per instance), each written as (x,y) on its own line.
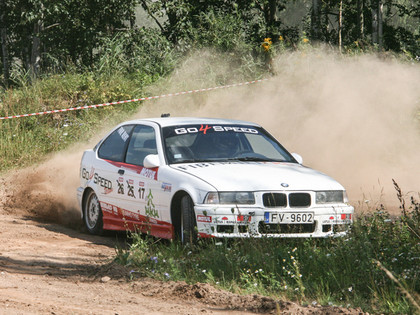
(253,158)
(195,161)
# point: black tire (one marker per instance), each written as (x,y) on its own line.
(92,214)
(188,226)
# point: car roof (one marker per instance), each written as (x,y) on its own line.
(176,121)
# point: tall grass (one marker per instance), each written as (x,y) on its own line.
(121,72)
(338,271)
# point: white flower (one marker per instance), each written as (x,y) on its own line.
(350,289)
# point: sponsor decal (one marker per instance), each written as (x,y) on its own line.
(131,215)
(202,165)
(124,135)
(106,207)
(108,191)
(152,220)
(141,184)
(167,187)
(101,181)
(120,187)
(224,220)
(109,208)
(141,192)
(148,173)
(203,218)
(130,188)
(244,218)
(150,208)
(88,175)
(346,216)
(203,129)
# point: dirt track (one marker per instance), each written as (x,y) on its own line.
(50,268)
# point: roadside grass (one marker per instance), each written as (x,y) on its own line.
(336,271)
(25,141)
(340,271)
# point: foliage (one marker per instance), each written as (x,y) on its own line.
(67,29)
(42,37)
(337,271)
(114,77)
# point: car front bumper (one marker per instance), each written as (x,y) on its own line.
(241,222)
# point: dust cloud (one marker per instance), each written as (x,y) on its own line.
(353,118)
(46,191)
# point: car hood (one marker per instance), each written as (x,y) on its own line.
(257,176)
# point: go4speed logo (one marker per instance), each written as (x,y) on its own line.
(205,128)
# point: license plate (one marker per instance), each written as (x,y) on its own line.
(289,217)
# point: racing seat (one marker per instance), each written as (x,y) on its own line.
(220,145)
(136,155)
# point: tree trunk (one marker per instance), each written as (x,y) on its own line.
(340,25)
(271,17)
(375,22)
(36,50)
(316,19)
(380,24)
(4,48)
(360,19)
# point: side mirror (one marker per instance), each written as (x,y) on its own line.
(151,161)
(298,158)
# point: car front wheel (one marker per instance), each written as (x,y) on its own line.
(93,214)
(188,222)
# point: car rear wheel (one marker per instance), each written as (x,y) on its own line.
(93,214)
(188,223)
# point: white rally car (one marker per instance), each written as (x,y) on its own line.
(187,178)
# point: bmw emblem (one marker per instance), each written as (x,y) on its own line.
(284,185)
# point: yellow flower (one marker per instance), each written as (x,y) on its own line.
(266,44)
(305,40)
(268,40)
(281,38)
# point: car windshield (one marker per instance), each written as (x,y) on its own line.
(219,143)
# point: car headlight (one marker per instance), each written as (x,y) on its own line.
(236,197)
(331,196)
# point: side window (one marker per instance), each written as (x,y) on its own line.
(113,147)
(142,143)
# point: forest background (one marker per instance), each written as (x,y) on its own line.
(43,37)
(59,54)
